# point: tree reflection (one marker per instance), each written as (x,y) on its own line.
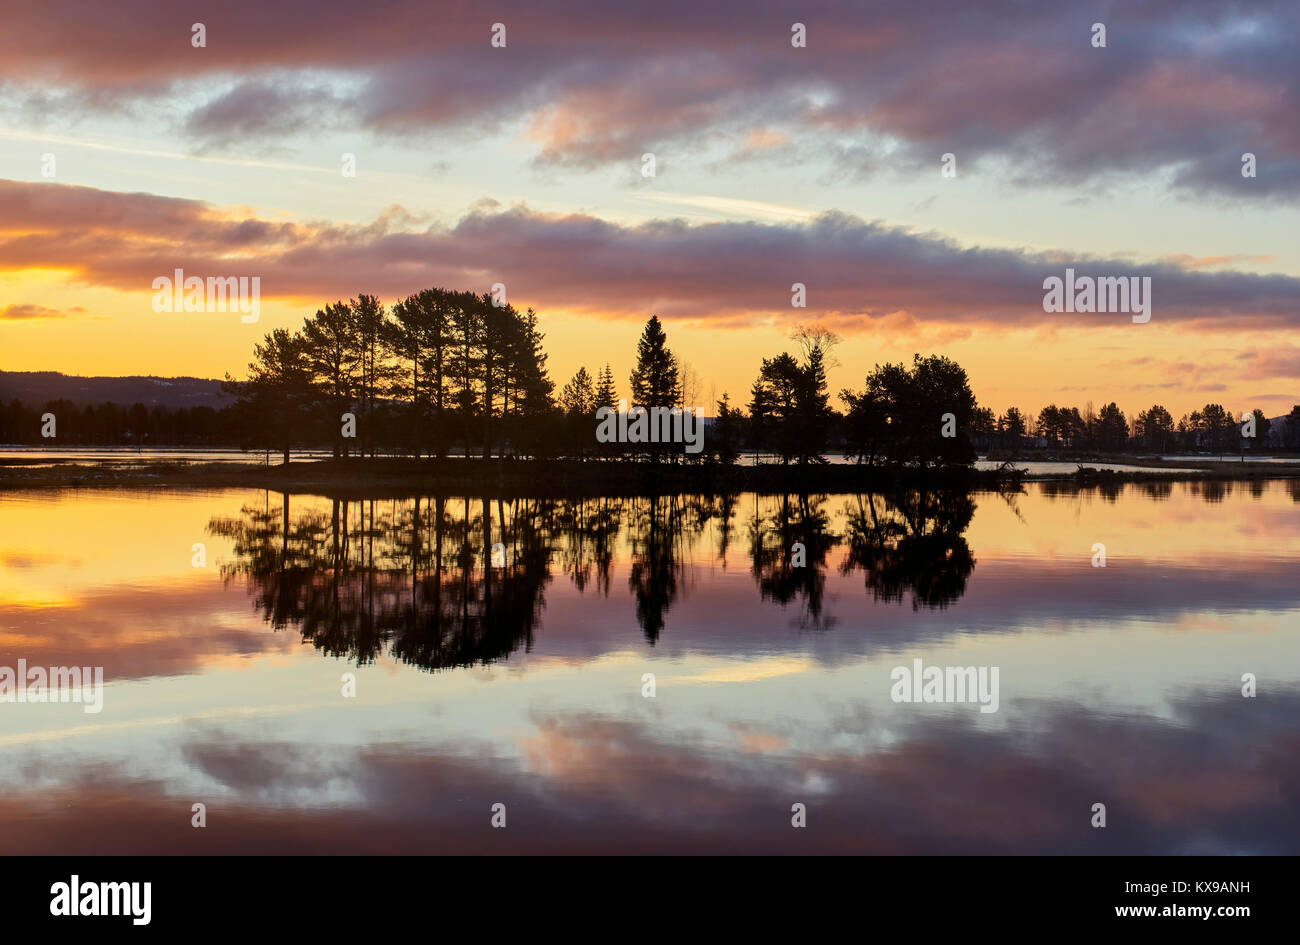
(442,582)
(416,576)
(788,548)
(911,542)
(656,533)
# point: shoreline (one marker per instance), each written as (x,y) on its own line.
(405,476)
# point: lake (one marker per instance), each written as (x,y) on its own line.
(686,674)
(125,458)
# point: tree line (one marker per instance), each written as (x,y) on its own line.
(454,373)
(444,373)
(437,370)
(1213,428)
(113,424)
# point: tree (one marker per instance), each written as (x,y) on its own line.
(654,379)
(727,434)
(331,355)
(533,387)
(1216,426)
(1112,428)
(867,423)
(579,396)
(415,340)
(790,406)
(374,367)
(775,405)
(760,416)
(1156,427)
(1091,427)
(578,401)
(499,350)
(908,408)
(1011,428)
(812,405)
(278,390)
(983,424)
(463,368)
(1262,428)
(606,392)
(607,396)
(942,387)
(434,325)
(1049,424)
(1063,425)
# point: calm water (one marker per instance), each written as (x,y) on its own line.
(224,682)
(125,457)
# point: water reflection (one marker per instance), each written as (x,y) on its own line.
(913,543)
(416,576)
(788,550)
(771,623)
(459,582)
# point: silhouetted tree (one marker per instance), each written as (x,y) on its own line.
(1156,427)
(905,408)
(1112,428)
(654,380)
(606,391)
(275,398)
(330,349)
(727,436)
(578,400)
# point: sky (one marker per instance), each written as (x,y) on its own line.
(129,150)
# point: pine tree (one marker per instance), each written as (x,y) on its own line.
(535,384)
(332,355)
(417,340)
(534,388)
(578,401)
(654,380)
(606,392)
(727,427)
(374,368)
(278,390)
(463,330)
(578,397)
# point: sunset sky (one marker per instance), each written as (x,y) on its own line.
(774,165)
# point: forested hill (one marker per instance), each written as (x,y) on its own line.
(39,387)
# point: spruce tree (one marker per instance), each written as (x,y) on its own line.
(654,380)
(606,392)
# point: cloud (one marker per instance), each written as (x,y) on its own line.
(859,274)
(1283,360)
(1208,262)
(133,633)
(594,783)
(262,110)
(24,312)
(1181,91)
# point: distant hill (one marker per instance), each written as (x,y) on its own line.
(36,387)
